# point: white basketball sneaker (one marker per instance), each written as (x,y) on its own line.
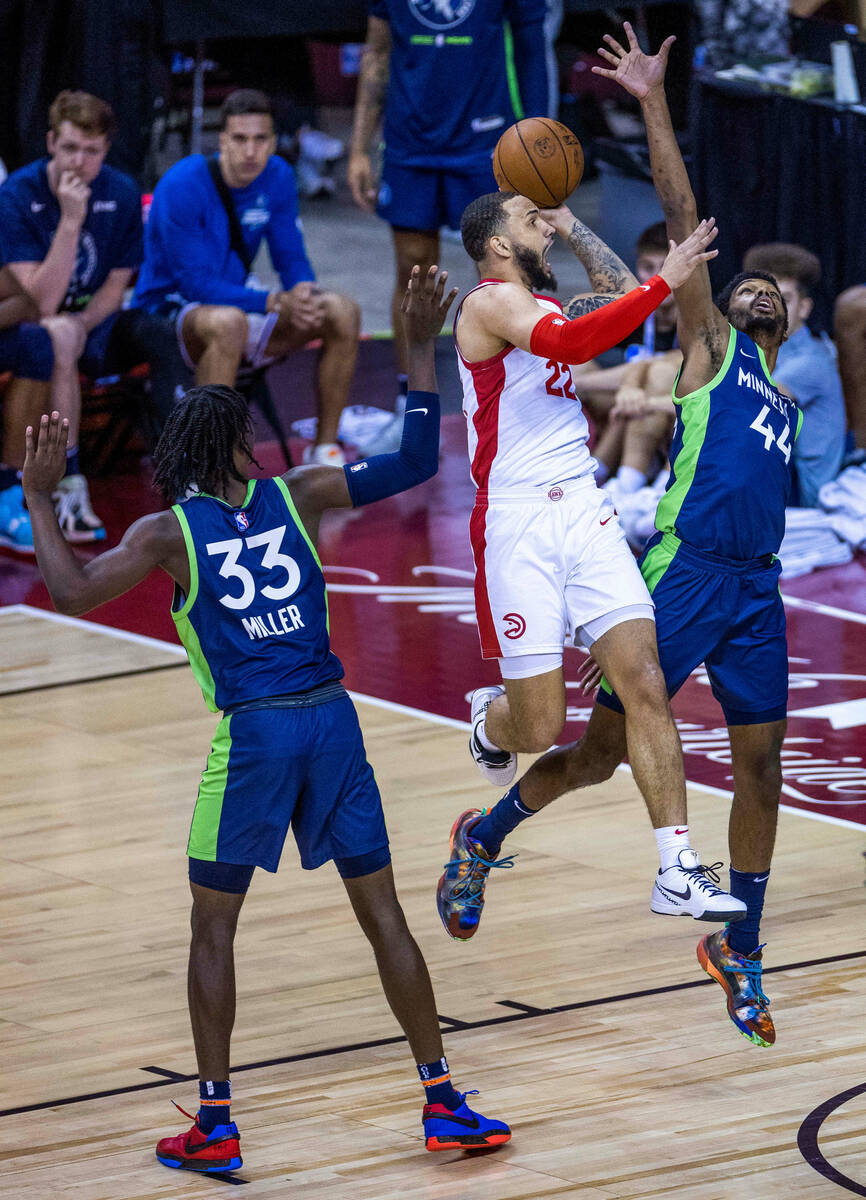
(497,766)
(691,890)
(325,454)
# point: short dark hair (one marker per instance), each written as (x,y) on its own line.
(723,299)
(482,219)
(244,101)
(786,260)
(654,239)
(87,113)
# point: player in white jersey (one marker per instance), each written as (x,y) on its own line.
(552,563)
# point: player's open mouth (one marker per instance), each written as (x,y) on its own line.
(764,306)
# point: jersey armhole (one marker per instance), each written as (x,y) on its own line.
(290,505)
(184,610)
(716,379)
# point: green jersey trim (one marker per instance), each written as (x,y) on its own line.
(205,828)
(290,504)
(658,559)
(799,423)
(695,422)
(511,73)
(762,360)
(184,626)
(251,483)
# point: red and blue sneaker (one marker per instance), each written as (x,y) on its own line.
(460,892)
(740,976)
(461,1129)
(218,1150)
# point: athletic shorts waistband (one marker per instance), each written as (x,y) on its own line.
(715,562)
(318,695)
(545,493)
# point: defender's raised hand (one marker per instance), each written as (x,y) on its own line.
(45,461)
(682,259)
(637,72)
(423,307)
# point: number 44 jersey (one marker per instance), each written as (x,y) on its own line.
(526,425)
(730,459)
(255,621)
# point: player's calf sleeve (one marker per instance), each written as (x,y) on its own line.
(561,340)
(416,460)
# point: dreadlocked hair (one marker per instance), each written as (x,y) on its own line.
(198,443)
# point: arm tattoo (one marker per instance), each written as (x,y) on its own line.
(581,305)
(607,273)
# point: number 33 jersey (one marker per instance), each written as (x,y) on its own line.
(255,622)
(526,425)
(730,459)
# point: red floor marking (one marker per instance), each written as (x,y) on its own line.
(402,622)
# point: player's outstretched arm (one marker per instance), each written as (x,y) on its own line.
(701,328)
(315,489)
(609,277)
(76,587)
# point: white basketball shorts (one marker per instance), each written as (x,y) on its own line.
(547,562)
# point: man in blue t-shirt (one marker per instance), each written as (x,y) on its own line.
(450,76)
(197,270)
(806,368)
(70,231)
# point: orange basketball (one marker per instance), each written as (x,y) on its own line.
(539,159)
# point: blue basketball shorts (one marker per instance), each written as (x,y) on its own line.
(726,614)
(269,768)
(426,198)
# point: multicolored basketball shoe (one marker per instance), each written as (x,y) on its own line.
(461,1129)
(218,1150)
(460,894)
(740,976)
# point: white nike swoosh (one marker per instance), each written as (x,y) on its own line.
(408,410)
(760,878)
(746,354)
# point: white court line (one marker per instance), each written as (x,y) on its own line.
(95,627)
(391,705)
(826,610)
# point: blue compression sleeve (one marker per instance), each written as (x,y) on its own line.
(416,460)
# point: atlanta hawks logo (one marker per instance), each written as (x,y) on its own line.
(515,625)
(242,521)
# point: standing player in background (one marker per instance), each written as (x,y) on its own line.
(551,559)
(450,78)
(251,610)
(711,567)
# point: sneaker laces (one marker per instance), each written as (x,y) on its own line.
(707,878)
(194,1119)
(752,968)
(471,888)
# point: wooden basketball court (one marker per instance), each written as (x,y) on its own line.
(584,1021)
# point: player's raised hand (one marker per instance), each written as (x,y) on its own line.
(684,258)
(45,461)
(424,309)
(637,72)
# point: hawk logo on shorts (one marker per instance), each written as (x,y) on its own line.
(242,521)
(516,625)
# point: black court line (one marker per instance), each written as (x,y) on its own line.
(525,1013)
(62,683)
(173,1075)
(807,1140)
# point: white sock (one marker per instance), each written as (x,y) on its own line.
(670,841)
(630,479)
(481,734)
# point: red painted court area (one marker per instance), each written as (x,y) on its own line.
(402,621)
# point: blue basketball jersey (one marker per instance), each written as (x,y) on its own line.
(453,85)
(255,622)
(731,470)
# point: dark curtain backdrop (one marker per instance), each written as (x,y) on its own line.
(770,168)
(106,47)
(187,20)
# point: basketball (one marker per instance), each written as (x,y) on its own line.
(539,159)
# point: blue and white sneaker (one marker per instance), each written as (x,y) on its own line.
(461,1129)
(76,518)
(497,766)
(460,891)
(16,532)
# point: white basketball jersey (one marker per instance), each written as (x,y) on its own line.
(526,425)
